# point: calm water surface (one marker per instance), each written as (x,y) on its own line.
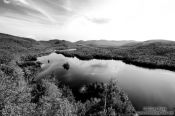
(145,87)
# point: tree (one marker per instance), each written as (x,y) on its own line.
(66,66)
(52,103)
(113,101)
(15,100)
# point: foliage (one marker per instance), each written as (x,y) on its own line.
(110,99)
(66,66)
(5,57)
(15,96)
(150,54)
(21,94)
(52,103)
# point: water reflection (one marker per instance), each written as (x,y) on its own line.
(145,87)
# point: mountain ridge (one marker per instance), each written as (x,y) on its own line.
(28,42)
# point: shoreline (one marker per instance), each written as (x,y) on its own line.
(126,60)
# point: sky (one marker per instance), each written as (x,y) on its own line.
(75,20)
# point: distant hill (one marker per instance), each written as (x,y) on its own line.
(151,45)
(159,42)
(106,43)
(160,53)
(58,44)
(14,43)
(156,48)
(20,41)
(10,42)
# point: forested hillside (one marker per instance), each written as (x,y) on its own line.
(150,54)
(22,95)
(106,43)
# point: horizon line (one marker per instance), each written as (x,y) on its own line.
(85,40)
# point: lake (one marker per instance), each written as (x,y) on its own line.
(145,87)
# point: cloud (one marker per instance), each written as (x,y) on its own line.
(30,5)
(98,20)
(53,15)
(7,1)
(22,2)
(28,29)
(45,13)
(55,11)
(19,2)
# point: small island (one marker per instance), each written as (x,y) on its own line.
(66,66)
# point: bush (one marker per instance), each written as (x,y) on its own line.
(5,57)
